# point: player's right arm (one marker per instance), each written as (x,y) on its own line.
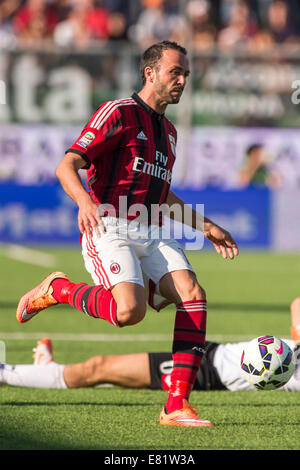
(98,139)
(67,173)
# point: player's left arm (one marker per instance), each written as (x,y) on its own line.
(220,238)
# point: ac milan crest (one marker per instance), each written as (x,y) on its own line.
(115,268)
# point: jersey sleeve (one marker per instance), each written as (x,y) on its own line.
(100,135)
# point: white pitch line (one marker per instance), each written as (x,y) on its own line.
(113,338)
(27,255)
(87,337)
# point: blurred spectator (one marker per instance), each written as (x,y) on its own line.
(117,26)
(35,20)
(225,11)
(261,42)
(8,38)
(256,170)
(240,29)
(279,23)
(201,30)
(157,23)
(229,24)
(287,167)
(294,15)
(84,23)
(131,9)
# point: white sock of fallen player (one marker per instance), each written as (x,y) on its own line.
(35,376)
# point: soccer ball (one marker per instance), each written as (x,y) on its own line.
(267,362)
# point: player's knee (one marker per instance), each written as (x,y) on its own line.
(193,291)
(131,315)
(198,293)
(93,368)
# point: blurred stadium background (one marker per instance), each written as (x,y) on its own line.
(239,146)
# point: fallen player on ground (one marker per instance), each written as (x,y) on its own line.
(220,368)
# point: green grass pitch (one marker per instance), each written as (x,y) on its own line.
(247,297)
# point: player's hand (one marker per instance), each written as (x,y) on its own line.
(89,218)
(222,241)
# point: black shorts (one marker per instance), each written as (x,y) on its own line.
(207,377)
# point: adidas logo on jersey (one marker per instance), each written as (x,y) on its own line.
(141,136)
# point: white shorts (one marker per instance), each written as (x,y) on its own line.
(127,252)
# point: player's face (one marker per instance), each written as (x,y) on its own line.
(170,76)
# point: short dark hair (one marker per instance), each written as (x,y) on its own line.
(153,54)
(253,147)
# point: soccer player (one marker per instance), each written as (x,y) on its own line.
(128,148)
(219,370)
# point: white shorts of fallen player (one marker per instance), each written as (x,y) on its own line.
(129,252)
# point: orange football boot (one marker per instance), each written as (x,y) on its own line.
(38,298)
(187,416)
(43,352)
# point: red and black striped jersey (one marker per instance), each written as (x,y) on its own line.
(130,151)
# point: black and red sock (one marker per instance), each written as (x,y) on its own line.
(188,350)
(95,301)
